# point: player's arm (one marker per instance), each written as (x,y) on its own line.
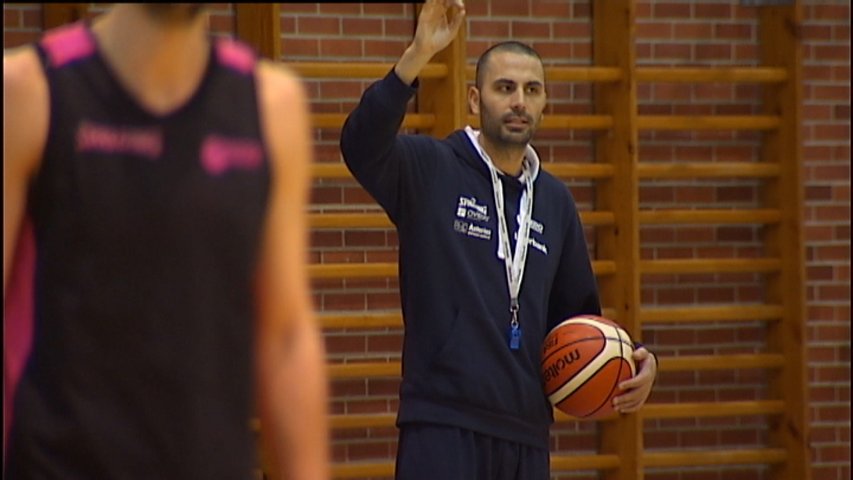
(25,123)
(293,386)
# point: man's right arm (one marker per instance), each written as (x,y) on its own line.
(369,142)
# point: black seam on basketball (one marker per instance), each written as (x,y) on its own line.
(580,387)
(573,343)
(617,339)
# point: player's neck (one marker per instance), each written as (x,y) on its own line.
(161,64)
(506,158)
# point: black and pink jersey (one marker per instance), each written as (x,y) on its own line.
(139,249)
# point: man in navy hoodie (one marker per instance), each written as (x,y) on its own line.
(492,256)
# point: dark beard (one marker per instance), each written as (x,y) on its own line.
(497,136)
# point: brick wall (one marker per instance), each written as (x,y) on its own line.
(669,33)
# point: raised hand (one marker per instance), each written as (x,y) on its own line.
(438,25)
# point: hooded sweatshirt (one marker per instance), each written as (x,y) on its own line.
(458,367)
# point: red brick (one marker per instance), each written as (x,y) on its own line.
(326,239)
(712,10)
(654,30)
(361,26)
(384,343)
(296,47)
(292,9)
(17,38)
(551,8)
(530,30)
(389,8)
(510,8)
(362,238)
(399,27)
(345,344)
(384,48)
(828,12)
(713,51)
(831,52)
(692,31)
(318,26)
(671,10)
(383,301)
(11,18)
(336,9)
(350,301)
(340,48)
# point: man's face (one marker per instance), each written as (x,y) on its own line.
(511,98)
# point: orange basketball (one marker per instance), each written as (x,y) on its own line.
(583,361)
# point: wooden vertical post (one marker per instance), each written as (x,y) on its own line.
(446,97)
(613,46)
(58,14)
(780,47)
(259,25)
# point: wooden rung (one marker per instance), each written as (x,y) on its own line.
(362,420)
(388,269)
(712,409)
(650,411)
(352,270)
(577,122)
(707,170)
(394,319)
(363,70)
(559,170)
(339,371)
(569,74)
(363,469)
(336,120)
(573,122)
(584,462)
(579,170)
(603,267)
(361,320)
(597,218)
(707,122)
(667,364)
(713,74)
(330,171)
(719,457)
(600,462)
(558,463)
(380,220)
(349,220)
(707,314)
(708,216)
(713,265)
(721,362)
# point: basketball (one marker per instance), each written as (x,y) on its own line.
(583,361)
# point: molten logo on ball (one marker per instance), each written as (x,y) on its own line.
(562,362)
(584,359)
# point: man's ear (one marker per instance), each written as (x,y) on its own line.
(474,100)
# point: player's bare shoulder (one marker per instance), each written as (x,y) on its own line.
(26,99)
(279,85)
(22,72)
(284,111)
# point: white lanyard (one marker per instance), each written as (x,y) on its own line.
(513,262)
